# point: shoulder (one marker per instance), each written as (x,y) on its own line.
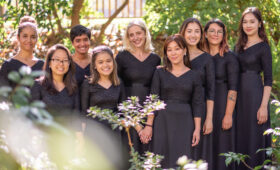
(195,76)
(123,53)
(265,45)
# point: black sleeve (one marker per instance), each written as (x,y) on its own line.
(36,91)
(232,72)
(155,86)
(122,96)
(4,71)
(210,79)
(119,64)
(77,101)
(266,59)
(85,96)
(197,97)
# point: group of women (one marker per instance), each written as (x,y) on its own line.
(216,99)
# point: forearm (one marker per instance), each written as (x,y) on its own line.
(210,108)
(150,120)
(231,101)
(266,96)
(197,123)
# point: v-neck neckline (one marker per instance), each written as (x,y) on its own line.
(253,45)
(197,57)
(179,75)
(82,67)
(26,64)
(105,87)
(138,59)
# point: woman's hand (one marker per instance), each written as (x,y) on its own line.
(196,137)
(146,134)
(262,115)
(227,122)
(207,127)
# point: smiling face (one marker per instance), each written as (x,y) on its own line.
(136,36)
(27,38)
(250,24)
(175,53)
(81,44)
(59,63)
(192,34)
(214,34)
(104,64)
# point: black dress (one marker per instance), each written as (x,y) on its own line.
(253,61)
(227,71)
(61,105)
(97,95)
(14,65)
(80,74)
(204,65)
(137,77)
(174,126)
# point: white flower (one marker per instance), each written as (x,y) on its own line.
(182,160)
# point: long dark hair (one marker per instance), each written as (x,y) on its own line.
(69,77)
(243,38)
(224,47)
(94,76)
(185,25)
(180,40)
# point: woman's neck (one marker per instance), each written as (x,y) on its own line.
(214,49)
(253,39)
(25,55)
(193,51)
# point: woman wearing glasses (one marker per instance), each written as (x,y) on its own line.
(57,89)
(201,62)
(27,38)
(226,78)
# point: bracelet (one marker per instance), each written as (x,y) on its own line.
(149,125)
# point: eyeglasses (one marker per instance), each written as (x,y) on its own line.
(58,61)
(220,32)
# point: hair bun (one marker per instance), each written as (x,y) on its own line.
(27,19)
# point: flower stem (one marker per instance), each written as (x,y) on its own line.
(129,138)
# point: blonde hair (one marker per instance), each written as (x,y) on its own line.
(148,47)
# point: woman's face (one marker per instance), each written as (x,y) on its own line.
(136,36)
(27,38)
(214,34)
(250,24)
(81,44)
(174,53)
(59,63)
(192,34)
(104,64)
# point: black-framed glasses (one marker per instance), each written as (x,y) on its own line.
(58,61)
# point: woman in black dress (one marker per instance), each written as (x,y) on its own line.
(27,37)
(58,89)
(104,90)
(226,78)
(254,57)
(203,63)
(177,128)
(136,66)
(80,38)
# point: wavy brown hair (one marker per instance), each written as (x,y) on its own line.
(185,25)
(94,76)
(224,47)
(243,38)
(68,78)
(180,40)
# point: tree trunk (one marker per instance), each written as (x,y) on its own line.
(75,17)
(105,25)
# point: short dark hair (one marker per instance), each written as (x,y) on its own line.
(79,30)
